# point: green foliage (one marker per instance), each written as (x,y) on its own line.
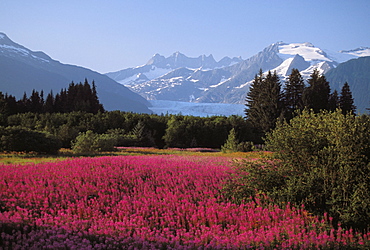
(231,144)
(316,95)
(346,102)
(131,129)
(293,92)
(327,156)
(85,143)
(254,177)
(264,102)
(25,140)
(105,143)
(321,160)
(78,97)
(89,143)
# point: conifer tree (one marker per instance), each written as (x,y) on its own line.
(333,101)
(12,105)
(346,102)
(316,95)
(35,102)
(293,92)
(232,143)
(253,99)
(264,102)
(49,103)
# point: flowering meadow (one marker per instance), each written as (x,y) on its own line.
(148,202)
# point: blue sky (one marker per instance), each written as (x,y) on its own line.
(111,35)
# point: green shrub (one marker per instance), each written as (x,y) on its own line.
(105,143)
(20,139)
(232,144)
(322,162)
(90,143)
(85,143)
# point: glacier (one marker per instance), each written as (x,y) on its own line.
(196,109)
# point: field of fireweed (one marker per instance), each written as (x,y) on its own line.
(148,202)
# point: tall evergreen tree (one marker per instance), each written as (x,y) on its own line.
(293,92)
(11,105)
(253,100)
(346,102)
(264,102)
(35,102)
(316,95)
(96,106)
(333,101)
(49,103)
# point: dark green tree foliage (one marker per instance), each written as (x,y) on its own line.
(316,95)
(333,101)
(253,100)
(346,102)
(264,102)
(293,91)
(25,140)
(210,132)
(137,129)
(78,97)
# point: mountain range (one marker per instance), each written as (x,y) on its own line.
(22,70)
(178,78)
(204,80)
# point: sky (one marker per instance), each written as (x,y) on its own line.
(111,35)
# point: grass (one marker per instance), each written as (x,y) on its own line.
(24,158)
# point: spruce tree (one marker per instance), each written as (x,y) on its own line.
(293,92)
(316,95)
(49,103)
(232,143)
(264,102)
(253,100)
(333,101)
(346,102)
(35,102)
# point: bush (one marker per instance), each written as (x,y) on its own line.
(20,139)
(105,143)
(232,144)
(89,143)
(322,162)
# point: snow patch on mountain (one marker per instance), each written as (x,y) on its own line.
(309,52)
(282,69)
(359,52)
(14,51)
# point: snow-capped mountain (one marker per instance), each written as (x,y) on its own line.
(159,65)
(201,79)
(22,70)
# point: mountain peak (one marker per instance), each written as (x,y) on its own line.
(4,39)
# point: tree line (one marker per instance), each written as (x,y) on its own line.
(267,101)
(78,97)
(63,117)
(127,129)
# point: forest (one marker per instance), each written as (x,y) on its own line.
(57,120)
